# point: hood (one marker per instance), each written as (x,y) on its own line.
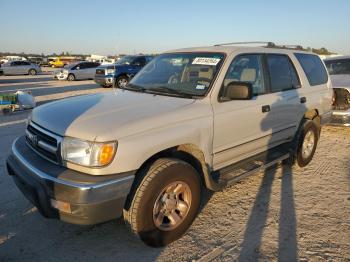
(108,116)
(341,81)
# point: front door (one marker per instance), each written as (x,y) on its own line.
(238,131)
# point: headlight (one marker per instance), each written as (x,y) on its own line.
(110,71)
(87,153)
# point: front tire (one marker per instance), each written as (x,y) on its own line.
(71,77)
(122,81)
(163,202)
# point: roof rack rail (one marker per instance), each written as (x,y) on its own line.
(266,44)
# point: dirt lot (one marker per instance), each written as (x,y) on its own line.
(282,214)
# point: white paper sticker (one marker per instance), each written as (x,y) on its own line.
(206,61)
(200,87)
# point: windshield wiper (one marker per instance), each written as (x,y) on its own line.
(134,88)
(168,90)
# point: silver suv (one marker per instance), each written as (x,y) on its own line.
(191,118)
(20,68)
(77,71)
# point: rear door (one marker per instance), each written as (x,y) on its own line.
(24,67)
(91,69)
(288,106)
(14,68)
(82,70)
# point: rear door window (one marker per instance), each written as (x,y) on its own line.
(313,68)
(140,60)
(283,75)
(83,65)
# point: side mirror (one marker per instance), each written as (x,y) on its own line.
(238,91)
(137,64)
(77,68)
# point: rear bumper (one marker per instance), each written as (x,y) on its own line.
(340,117)
(91,199)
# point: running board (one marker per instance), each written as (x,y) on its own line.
(238,171)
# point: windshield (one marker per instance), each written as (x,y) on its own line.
(126,60)
(182,74)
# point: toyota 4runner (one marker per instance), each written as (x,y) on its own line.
(192,118)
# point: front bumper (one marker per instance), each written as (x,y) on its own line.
(104,80)
(61,76)
(91,199)
(340,117)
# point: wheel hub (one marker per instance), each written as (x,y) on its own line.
(308,144)
(172,206)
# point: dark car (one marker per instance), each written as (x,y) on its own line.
(122,71)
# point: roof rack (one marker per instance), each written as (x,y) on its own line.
(264,44)
(247,43)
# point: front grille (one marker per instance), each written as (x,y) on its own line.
(43,142)
(100,71)
(342,99)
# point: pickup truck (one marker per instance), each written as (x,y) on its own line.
(191,119)
(120,73)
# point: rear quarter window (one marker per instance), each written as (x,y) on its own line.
(313,68)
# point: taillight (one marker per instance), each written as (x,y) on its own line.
(333,97)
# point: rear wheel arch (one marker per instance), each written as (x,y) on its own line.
(313,114)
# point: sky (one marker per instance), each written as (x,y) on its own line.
(110,27)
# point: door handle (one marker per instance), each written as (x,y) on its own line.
(266,108)
(303,100)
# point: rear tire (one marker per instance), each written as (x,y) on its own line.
(163,202)
(304,144)
(71,77)
(32,72)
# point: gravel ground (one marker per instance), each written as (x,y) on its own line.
(280,214)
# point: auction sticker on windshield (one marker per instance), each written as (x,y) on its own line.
(206,61)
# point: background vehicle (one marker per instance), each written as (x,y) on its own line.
(62,61)
(41,61)
(20,68)
(103,60)
(77,71)
(207,116)
(12,58)
(339,70)
(122,71)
